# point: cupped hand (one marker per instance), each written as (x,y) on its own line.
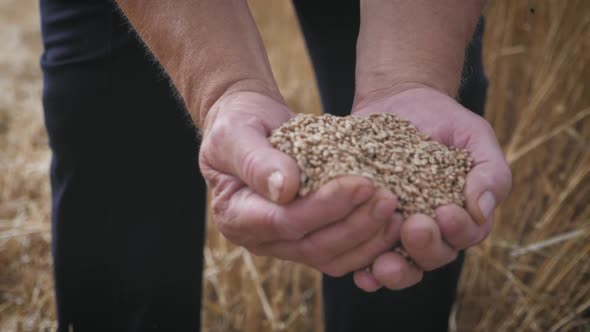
(433,243)
(338,229)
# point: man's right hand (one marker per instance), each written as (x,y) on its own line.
(340,228)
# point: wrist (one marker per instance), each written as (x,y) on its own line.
(403,43)
(364,97)
(206,111)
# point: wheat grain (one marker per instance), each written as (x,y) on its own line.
(422,173)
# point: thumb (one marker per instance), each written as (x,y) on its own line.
(265,169)
(237,144)
(490,180)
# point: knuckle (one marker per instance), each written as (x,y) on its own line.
(268,218)
(209,147)
(311,253)
(272,224)
(249,162)
(285,229)
(324,196)
(335,188)
(219,205)
(203,162)
(220,129)
(339,185)
(211,176)
(205,166)
(228,226)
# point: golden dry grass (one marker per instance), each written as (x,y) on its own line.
(532,274)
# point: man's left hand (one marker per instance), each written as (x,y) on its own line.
(433,243)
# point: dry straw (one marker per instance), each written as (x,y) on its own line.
(532,274)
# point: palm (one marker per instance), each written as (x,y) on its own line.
(433,113)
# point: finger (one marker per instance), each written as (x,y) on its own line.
(365,280)
(422,240)
(489,181)
(458,228)
(236,143)
(364,254)
(322,246)
(253,219)
(394,272)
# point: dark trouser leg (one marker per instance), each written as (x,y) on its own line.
(128,199)
(330,33)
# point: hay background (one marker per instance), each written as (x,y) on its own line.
(532,274)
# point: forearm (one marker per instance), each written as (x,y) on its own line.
(208,48)
(413,43)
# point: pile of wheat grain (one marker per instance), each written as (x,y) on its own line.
(422,173)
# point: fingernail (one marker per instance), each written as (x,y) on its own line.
(383,209)
(275,185)
(487,204)
(362,194)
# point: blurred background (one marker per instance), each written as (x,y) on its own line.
(531,274)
